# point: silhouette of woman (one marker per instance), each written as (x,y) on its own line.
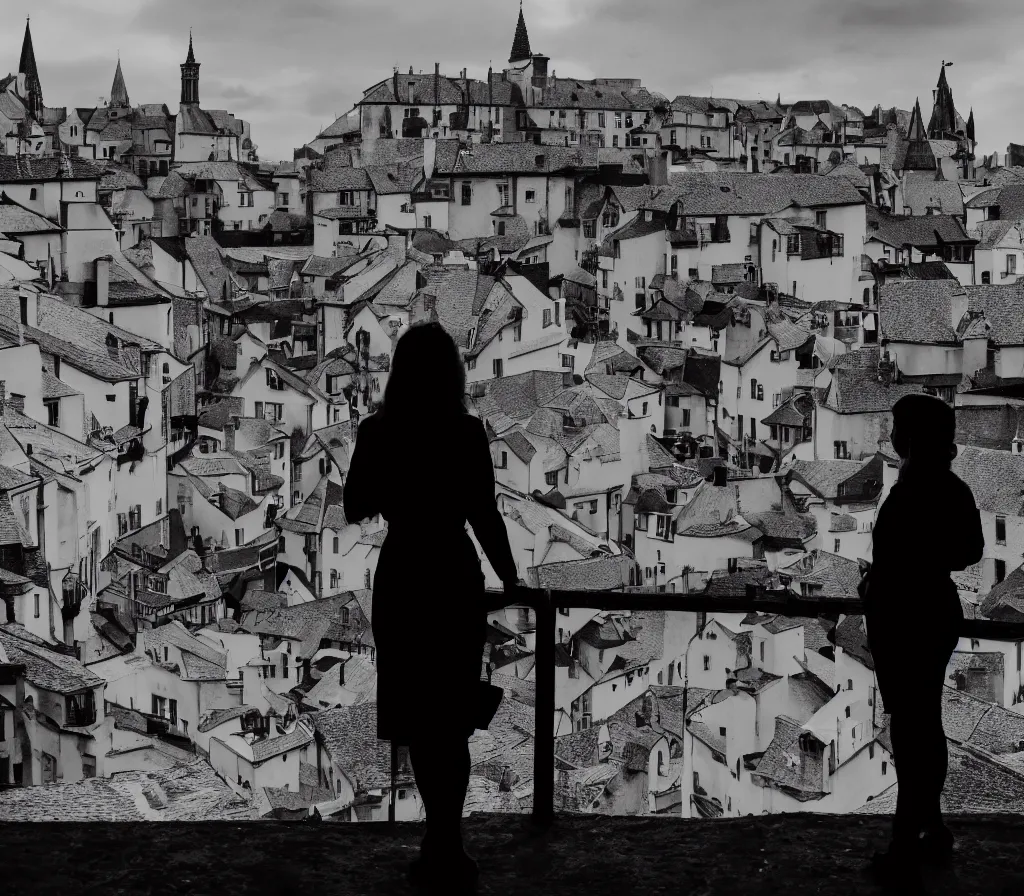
(927,527)
(424,464)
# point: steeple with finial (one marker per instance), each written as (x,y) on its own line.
(27,67)
(943,121)
(118,90)
(190,76)
(521,43)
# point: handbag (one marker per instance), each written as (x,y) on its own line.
(489,698)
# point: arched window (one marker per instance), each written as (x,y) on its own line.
(775,246)
(867,295)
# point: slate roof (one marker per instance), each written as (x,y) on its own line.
(186,792)
(784,765)
(338,178)
(1000,306)
(350,737)
(45,668)
(295,739)
(516,158)
(914,230)
(856,390)
(988,426)
(995,478)
(16,219)
(36,169)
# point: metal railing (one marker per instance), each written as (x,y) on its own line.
(545,603)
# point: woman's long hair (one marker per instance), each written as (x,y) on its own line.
(427,378)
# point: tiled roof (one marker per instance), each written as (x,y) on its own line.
(825,476)
(914,230)
(295,739)
(856,390)
(35,169)
(994,477)
(16,219)
(589,574)
(219,716)
(982,426)
(45,668)
(517,158)
(1000,306)
(918,311)
(837,576)
(350,737)
(785,765)
(851,635)
(337,178)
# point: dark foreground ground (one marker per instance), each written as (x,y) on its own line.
(592,855)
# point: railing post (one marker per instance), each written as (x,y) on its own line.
(544,726)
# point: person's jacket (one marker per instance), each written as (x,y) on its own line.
(427,480)
(928,527)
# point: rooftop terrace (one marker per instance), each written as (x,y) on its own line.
(592,855)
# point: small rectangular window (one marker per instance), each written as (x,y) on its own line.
(1000,529)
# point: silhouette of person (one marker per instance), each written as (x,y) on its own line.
(424,464)
(927,527)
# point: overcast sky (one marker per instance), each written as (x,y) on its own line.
(291,66)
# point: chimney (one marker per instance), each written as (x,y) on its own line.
(437,85)
(397,247)
(103,281)
(17,402)
(958,306)
(229,434)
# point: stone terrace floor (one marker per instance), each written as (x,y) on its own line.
(592,855)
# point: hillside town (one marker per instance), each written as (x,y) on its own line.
(676,402)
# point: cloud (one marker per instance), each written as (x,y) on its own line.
(291,67)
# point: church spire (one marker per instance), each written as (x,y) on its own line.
(970,126)
(118,91)
(190,76)
(943,120)
(521,43)
(916,132)
(27,67)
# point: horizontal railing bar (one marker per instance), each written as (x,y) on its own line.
(991,629)
(546,603)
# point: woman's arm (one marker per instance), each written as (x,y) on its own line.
(966,539)
(483,514)
(361,498)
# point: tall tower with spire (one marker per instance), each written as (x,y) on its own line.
(943,124)
(521,42)
(27,67)
(190,76)
(118,90)
(527,69)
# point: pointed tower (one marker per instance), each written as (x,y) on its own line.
(943,120)
(970,127)
(521,43)
(190,77)
(118,90)
(919,156)
(27,67)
